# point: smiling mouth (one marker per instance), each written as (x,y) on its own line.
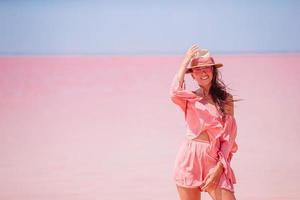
(204,78)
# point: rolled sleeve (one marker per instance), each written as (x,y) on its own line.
(178,94)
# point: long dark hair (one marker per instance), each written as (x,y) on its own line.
(219,91)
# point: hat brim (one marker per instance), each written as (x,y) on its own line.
(217,65)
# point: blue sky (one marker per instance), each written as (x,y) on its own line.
(147,27)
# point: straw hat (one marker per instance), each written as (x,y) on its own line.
(202,59)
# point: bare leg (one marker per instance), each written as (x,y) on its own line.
(188,193)
(221,194)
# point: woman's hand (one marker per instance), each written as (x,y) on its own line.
(212,179)
(191,52)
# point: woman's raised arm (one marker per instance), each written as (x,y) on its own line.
(178,93)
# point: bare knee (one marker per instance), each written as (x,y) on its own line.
(188,193)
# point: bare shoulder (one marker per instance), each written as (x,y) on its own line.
(229,97)
(229,106)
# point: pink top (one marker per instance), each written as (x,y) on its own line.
(200,117)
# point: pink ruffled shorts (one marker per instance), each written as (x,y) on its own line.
(193,162)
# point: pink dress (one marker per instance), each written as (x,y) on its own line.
(195,159)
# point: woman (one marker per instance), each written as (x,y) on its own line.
(203,161)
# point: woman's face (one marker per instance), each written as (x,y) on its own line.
(203,75)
